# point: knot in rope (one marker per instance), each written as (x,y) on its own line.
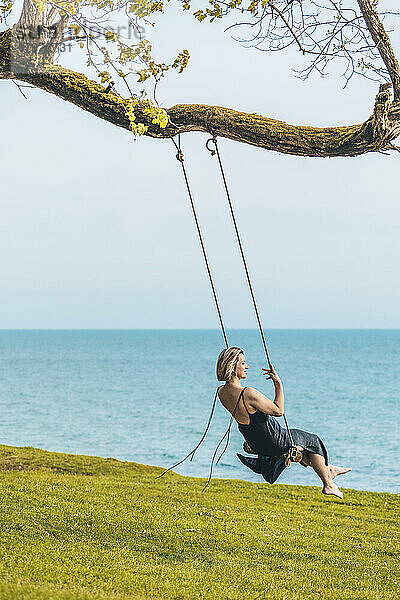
(179,156)
(293,455)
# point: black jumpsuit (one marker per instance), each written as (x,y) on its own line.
(270,441)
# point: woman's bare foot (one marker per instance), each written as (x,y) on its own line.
(338,470)
(332,490)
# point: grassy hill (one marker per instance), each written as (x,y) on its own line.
(90,528)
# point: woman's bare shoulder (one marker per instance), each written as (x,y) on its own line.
(255,397)
(252,393)
(226,392)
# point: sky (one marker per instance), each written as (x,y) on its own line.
(96,229)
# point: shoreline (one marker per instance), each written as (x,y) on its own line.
(30,458)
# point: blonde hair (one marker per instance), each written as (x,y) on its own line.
(226,363)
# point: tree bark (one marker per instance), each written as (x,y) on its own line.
(373,135)
(382,42)
(34,39)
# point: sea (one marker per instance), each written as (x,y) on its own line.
(146,396)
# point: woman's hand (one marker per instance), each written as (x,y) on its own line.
(272,374)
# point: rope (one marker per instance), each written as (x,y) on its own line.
(192,453)
(180,158)
(226,435)
(239,241)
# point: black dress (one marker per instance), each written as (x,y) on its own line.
(265,436)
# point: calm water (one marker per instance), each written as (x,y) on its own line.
(145,396)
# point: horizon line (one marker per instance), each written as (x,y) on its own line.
(199,329)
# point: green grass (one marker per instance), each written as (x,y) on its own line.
(89,528)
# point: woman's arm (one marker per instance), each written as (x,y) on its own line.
(261,402)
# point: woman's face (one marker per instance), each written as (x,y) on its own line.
(241,367)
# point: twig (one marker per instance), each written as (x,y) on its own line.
(19,86)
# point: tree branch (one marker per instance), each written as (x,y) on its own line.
(373,135)
(382,42)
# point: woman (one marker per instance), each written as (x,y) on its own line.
(255,415)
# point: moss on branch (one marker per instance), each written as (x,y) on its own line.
(253,129)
